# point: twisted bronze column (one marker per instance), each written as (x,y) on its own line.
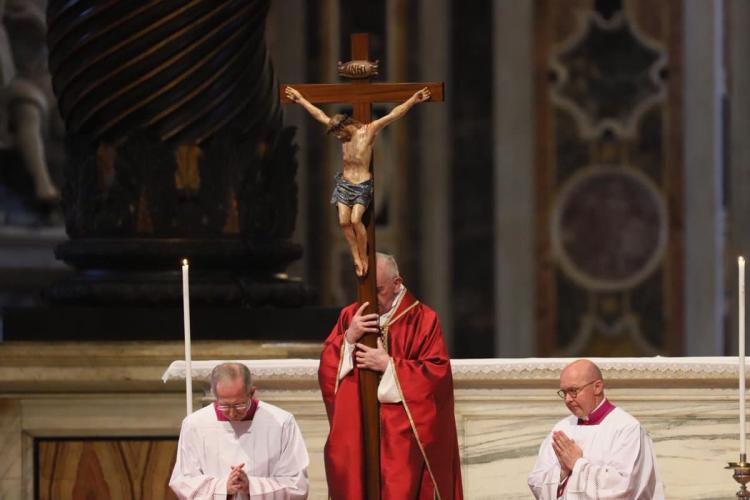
(176,148)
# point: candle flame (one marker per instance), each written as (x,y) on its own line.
(184,262)
(740,260)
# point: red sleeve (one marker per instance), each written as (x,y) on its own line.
(330,359)
(343,453)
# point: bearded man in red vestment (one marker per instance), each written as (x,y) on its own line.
(419,456)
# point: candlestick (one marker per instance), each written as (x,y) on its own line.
(741,468)
(186,323)
(741,343)
(742,476)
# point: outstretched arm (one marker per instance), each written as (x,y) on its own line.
(399,111)
(294,96)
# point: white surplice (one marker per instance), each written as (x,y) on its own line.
(618,462)
(270,446)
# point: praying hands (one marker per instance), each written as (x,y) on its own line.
(567,451)
(238,481)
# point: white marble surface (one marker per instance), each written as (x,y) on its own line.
(694,433)
(660,367)
(505,407)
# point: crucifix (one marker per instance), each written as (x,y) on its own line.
(361,93)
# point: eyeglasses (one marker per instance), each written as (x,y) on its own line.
(240,407)
(573,391)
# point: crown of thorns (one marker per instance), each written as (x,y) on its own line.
(338,122)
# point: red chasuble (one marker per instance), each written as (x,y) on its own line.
(418,443)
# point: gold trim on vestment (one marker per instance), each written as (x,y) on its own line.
(384,329)
(406,407)
(341,360)
(416,434)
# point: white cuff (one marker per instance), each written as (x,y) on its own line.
(221,486)
(574,479)
(347,362)
(387,389)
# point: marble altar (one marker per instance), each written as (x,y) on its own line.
(504,407)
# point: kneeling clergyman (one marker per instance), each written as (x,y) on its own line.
(599,452)
(239,447)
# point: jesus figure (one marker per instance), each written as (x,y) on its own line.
(353,191)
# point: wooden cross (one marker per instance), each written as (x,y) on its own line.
(362,94)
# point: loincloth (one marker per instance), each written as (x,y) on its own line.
(351,194)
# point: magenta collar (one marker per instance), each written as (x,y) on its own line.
(596,416)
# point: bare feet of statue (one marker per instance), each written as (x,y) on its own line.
(363,266)
(360,266)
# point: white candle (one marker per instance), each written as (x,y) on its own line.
(186,323)
(741,322)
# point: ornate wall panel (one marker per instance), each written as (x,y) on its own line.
(608,178)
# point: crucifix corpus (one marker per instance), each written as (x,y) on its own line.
(353,192)
(354,195)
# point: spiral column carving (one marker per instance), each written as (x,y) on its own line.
(176,148)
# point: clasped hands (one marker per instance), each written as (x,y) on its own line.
(370,358)
(567,451)
(237,482)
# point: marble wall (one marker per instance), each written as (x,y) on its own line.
(694,434)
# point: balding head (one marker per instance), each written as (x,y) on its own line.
(584,367)
(387,263)
(227,373)
(583,378)
(388,281)
(231,384)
